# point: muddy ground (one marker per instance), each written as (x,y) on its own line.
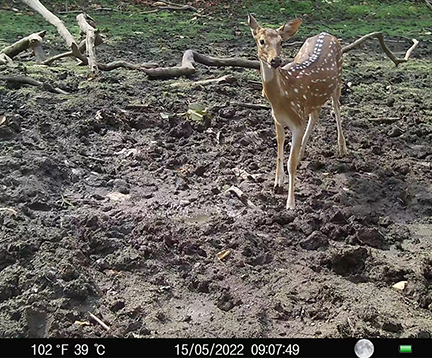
(121,212)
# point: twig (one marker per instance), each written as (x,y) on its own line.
(385,120)
(242,196)
(98,320)
(137,106)
(251,105)
(428,4)
(223,79)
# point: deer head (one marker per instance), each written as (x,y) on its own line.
(269,40)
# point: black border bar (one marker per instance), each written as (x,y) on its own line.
(173,347)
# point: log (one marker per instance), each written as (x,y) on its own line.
(34,41)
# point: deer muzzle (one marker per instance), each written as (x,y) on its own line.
(276,62)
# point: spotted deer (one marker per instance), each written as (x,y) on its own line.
(298,89)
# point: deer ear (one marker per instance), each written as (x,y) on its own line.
(288,30)
(254,25)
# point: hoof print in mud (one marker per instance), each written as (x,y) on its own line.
(227,302)
(371,237)
(348,261)
(314,241)
(392,327)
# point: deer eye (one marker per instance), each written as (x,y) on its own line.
(262,42)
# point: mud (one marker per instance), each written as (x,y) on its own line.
(121,212)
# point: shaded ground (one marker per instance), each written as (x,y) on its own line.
(122,212)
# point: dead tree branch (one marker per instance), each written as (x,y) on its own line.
(169,6)
(33,82)
(386,50)
(90,41)
(61,28)
(251,105)
(191,57)
(34,41)
(219,80)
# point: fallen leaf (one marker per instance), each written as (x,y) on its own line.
(401,285)
(82,323)
(2,120)
(222,254)
(116,196)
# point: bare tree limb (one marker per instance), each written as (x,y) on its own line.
(90,41)
(187,68)
(166,5)
(386,50)
(124,64)
(5,59)
(61,28)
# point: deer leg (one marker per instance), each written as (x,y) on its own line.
(297,136)
(313,118)
(341,138)
(280,137)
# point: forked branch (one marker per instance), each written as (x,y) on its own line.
(386,50)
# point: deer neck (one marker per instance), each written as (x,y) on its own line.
(268,73)
(276,88)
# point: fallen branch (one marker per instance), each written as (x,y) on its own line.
(98,320)
(34,41)
(190,57)
(61,28)
(4,59)
(124,64)
(242,196)
(387,51)
(169,6)
(33,82)
(219,80)
(251,105)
